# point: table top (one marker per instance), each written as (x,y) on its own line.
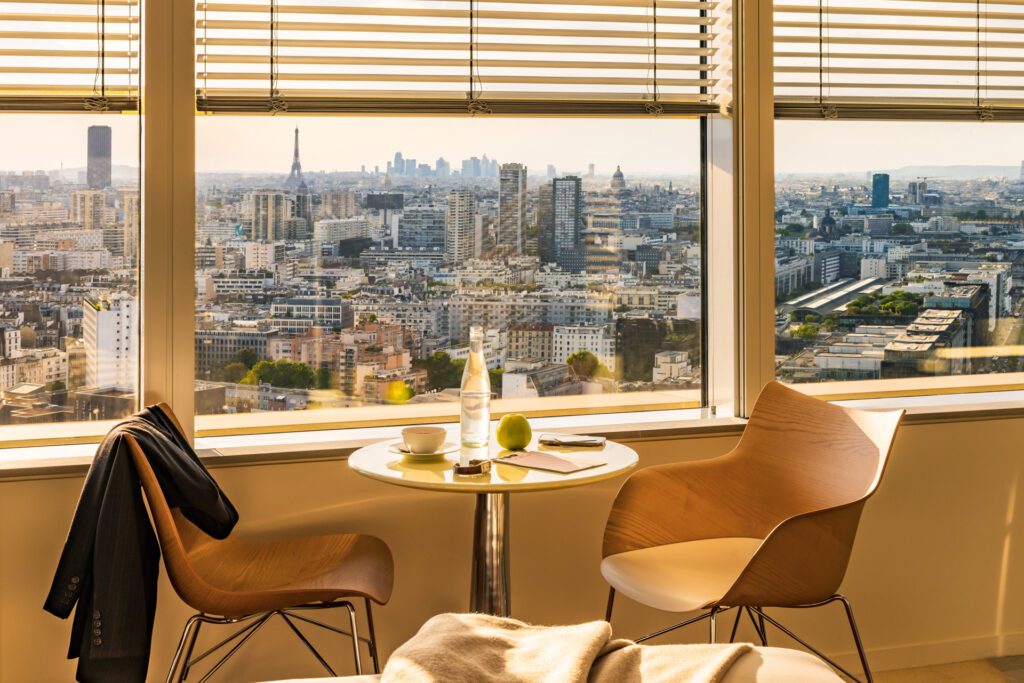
(378,461)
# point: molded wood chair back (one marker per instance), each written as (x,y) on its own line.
(798,478)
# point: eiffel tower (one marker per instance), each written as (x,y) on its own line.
(295,180)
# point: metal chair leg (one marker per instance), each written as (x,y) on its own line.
(735,625)
(711,627)
(856,638)
(758,628)
(831,662)
(373,637)
(185,664)
(611,604)
(186,635)
(355,637)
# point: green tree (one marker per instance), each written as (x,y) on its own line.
(280,373)
(496,376)
(322,378)
(234,372)
(442,371)
(246,357)
(902,229)
(806,331)
(586,365)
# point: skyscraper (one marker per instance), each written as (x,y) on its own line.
(269,210)
(460,226)
(98,163)
(567,222)
(880,191)
(512,207)
(545,221)
(87,208)
(399,165)
(110,330)
(295,175)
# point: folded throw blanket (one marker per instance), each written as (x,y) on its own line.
(452,648)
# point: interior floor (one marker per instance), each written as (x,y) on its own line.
(998,670)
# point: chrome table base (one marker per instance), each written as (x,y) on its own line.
(490,592)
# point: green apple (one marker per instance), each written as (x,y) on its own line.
(514,432)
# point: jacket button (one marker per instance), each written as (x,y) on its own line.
(75,579)
(67,594)
(96,614)
(97,623)
(72,587)
(97,641)
(97,632)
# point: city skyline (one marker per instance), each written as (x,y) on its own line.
(826,147)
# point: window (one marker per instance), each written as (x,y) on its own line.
(343,267)
(900,216)
(69,212)
(350,281)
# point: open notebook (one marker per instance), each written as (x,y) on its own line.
(548,462)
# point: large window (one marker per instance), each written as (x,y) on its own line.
(341,261)
(898,249)
(70,219)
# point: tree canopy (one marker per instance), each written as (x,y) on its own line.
(285,374)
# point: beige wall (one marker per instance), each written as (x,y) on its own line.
(937,574)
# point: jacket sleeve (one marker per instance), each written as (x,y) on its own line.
(75,564)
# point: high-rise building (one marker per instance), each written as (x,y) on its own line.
(87,208)
(130,222)
(442,169)
(269,210)
(303,209)
(460,226)
(399,164)
(98,162)
(880,191)
(110,330)
(339,204)
(567,222)
(422,227)
(916,192)
(295,175)
(545,221)
(512,207)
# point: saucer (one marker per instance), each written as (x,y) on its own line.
(399,448)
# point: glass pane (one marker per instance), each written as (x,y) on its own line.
(342,261)
(898,250)
(69,238)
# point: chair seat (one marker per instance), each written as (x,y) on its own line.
(680,577)
(251,575)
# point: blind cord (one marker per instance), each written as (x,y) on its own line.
(474,106)
(654,107)
(99,101)
(276,103)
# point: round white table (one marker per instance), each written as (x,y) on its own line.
(490,590)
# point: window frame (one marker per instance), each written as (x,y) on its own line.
(738,241)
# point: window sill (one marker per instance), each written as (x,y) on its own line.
(256,449)
(72,460)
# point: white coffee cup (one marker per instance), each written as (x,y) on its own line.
(423,439)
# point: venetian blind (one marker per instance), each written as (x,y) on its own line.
(460,56)
(895,59)
(67,55)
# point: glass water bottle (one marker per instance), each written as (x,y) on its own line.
(476,393)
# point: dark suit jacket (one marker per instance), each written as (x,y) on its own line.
(111,559)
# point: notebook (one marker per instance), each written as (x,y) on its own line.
(548,462)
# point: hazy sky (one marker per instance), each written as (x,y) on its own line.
(251,143)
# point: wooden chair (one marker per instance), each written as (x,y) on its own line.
(769,524)
(238,580)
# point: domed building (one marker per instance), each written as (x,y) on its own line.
(618,180)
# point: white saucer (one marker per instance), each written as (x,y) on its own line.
(399,448)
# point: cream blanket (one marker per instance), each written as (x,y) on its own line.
(474,648)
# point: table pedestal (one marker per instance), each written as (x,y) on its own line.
(491,585)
